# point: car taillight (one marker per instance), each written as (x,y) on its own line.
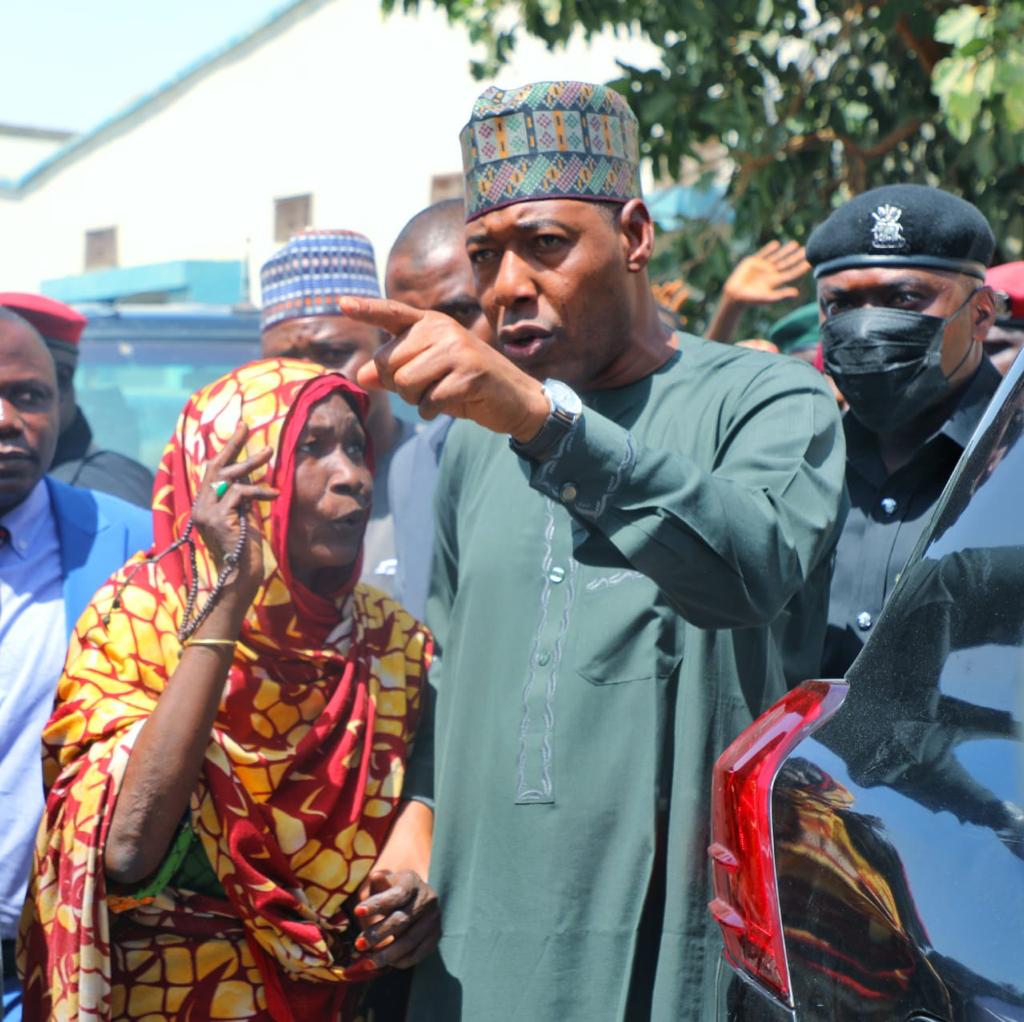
(746,901)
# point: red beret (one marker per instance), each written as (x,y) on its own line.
(54,320)
(1009,278)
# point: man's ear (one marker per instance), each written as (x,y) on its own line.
(984,310)
(637,229)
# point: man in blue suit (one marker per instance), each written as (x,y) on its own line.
(58,545)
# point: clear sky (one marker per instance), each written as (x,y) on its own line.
(73,63)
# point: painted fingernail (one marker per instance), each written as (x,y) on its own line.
(361,943)
(361,910)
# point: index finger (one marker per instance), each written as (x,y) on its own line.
(231,449)
(386,313)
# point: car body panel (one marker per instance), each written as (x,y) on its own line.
(898,826)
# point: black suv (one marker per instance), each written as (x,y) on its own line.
(868,835)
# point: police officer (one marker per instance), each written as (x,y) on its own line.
(904,310)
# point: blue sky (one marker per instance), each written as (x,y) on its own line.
(73,63)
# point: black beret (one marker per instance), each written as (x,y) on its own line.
(903,225)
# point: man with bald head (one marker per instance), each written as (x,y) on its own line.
(58,545)
(428,269)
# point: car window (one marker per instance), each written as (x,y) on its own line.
(132,391)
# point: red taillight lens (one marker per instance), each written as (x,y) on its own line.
(746,902)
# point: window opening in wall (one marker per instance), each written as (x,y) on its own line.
(446,186)
(101,248)
(292,215)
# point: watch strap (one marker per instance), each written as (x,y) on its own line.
(556,427)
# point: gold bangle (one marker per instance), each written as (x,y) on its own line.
(209,642)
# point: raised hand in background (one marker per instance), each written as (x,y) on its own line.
(759,279)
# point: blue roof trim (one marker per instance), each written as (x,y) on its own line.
(186,280)
(280,19)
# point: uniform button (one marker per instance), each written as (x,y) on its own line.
(543,659)
(864,621)
(556,575)
(568,493)
(889,505)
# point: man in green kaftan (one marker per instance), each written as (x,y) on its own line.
(615,597)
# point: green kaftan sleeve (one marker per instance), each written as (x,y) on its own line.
(729,547)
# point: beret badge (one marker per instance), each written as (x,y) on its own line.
(903,225)
(887,231)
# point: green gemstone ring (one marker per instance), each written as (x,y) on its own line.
(221,488)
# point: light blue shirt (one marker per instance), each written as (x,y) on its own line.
(32,650)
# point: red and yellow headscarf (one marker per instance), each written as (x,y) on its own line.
(301,778)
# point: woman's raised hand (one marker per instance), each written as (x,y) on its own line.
(224,497)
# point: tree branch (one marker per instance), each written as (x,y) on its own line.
(927,51)
(893,139)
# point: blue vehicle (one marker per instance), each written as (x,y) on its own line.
(139,364)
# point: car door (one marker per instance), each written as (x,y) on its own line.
(899,825)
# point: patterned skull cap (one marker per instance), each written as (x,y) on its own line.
(313,272)
(549,140)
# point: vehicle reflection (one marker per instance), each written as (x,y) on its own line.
(856,937)
(854,947)
(969,600)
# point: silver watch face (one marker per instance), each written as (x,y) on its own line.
(564,398)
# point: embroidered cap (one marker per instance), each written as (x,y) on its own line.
(313,272)
(549,140)
(903,225)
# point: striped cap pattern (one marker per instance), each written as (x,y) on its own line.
(309,275)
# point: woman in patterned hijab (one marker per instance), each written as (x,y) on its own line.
(225,763)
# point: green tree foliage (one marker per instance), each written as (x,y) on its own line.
(815,100)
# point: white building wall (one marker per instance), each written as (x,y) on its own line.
(20,151)
(358,109)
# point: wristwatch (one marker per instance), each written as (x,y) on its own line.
(566,408)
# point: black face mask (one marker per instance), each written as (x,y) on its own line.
(886,363)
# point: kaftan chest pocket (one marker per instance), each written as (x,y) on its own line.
(622,631)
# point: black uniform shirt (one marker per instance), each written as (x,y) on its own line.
(887,515)
(79,462)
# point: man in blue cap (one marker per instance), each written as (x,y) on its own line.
(612,594)
(904,310)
